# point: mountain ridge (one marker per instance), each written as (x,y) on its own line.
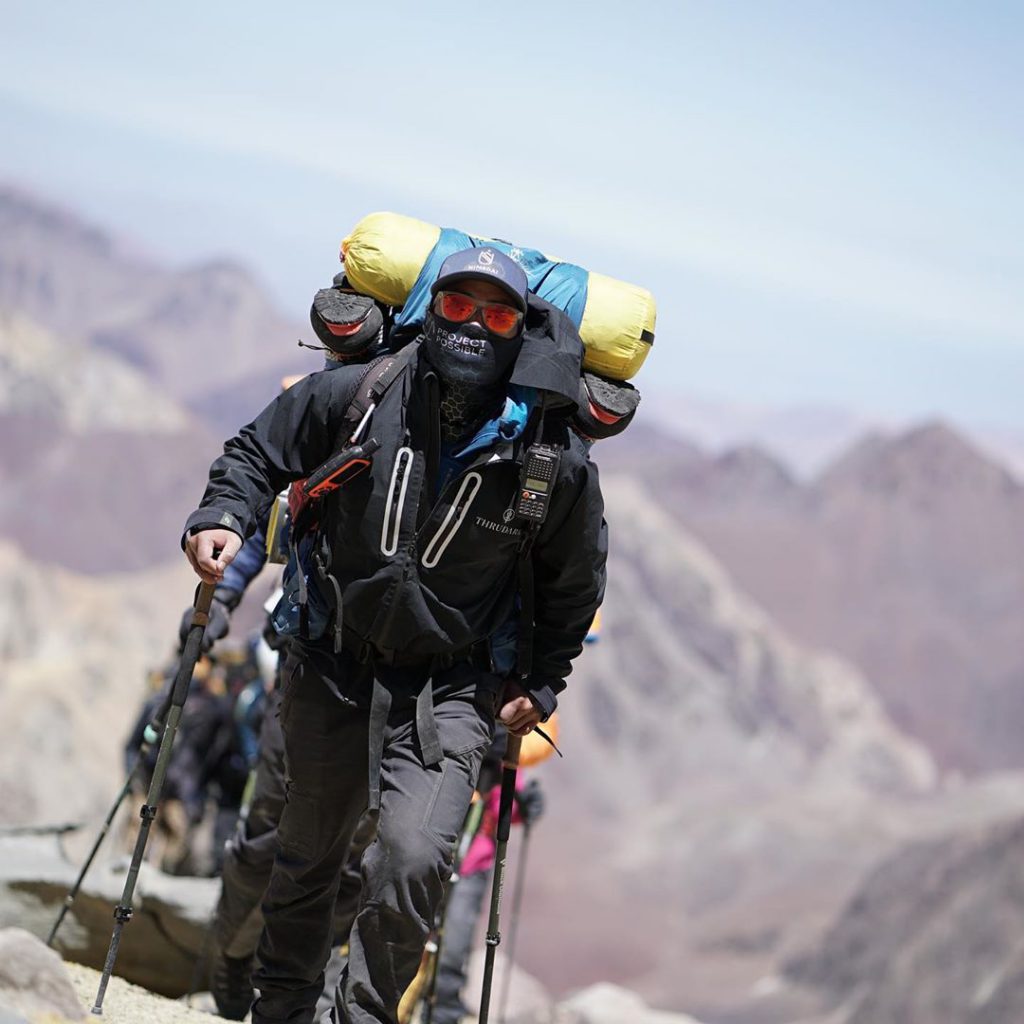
(903,556)
(192,330)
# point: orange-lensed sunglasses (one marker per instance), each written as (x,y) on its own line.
(497,316)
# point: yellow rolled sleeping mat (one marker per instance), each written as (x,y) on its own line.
(395,259)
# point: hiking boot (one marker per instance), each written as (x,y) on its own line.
(231,985)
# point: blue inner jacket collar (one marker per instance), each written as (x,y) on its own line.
(519,402)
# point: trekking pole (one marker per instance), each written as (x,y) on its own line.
(149,738)
(436,941)
(508,793)
(189,656)
(513,932)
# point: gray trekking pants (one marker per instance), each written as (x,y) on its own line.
(404,870)
(249,856)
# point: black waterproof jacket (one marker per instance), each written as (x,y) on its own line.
(423,573)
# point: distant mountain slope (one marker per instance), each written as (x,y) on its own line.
(905,556)
(934,934)
(722,788)
(704,661)
(73,656)
(192,331)
(62,272)
(98,468)
(72,385)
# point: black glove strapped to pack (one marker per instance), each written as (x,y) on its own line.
(605,406)
(351,325)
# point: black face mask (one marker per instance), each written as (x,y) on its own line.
(468,353)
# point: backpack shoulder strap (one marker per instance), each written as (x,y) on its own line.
(527,602)
(527,595)
(375,381)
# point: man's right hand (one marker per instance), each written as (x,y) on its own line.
(210,552)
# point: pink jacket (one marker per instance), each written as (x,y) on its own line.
(480,855)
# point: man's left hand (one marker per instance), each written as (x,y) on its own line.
(518,713)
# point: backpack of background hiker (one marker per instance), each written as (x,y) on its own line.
(396,259)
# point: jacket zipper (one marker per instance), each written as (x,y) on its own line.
(468,489)
(395,504)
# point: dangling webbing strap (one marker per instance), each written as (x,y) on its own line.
(426,726)
(426,732)
(380,709)
(527,604)
(339,608)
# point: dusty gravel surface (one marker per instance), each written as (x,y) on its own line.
(129,1004)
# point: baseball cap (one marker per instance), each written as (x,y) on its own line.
(484,264)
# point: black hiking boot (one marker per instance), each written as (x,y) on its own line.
(231,985)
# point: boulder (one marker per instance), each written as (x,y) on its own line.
(610,1004)
(33,980)
(528,999)
(160,945)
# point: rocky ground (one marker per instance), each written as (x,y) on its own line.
(161,943)
(49,995)
(129,1004)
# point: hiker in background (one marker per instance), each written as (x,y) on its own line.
(424,551)
(467,898)
(184,791)
(226,755)
(170,826)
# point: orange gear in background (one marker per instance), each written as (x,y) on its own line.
(535,748)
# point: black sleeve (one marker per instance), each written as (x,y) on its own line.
(294,435)
(569,576)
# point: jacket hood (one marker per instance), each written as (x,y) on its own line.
(551,358)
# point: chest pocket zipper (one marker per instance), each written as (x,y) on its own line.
(395,504)
(453,520)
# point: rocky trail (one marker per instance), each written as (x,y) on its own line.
(129,1004)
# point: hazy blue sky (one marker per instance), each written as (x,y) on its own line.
(825,198)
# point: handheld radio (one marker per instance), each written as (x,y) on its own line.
(540,469)
(341,468)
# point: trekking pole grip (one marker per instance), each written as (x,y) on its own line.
(193,643)
(510,759)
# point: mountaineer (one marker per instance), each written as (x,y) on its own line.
(390,697)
